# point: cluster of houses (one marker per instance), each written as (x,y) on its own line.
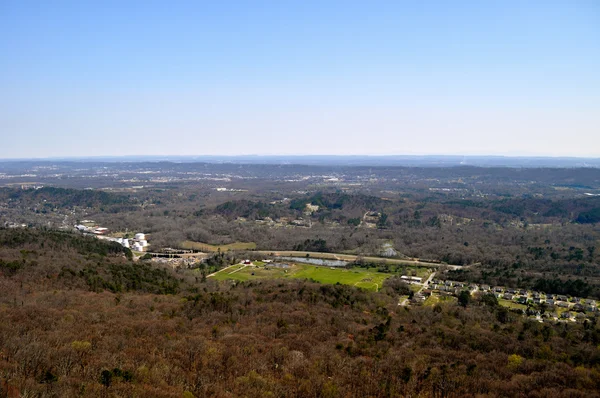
(520,296)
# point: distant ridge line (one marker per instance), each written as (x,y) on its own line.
(343,160)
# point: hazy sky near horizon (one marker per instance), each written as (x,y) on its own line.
(82,78)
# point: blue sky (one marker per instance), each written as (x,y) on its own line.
(88,78)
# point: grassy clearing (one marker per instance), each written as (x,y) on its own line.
(205,247)
(511,304)
(439,299)
(432,300)
(368,285)
(448,299)
(244,273)
(234,273)
(355,277)
(415,288)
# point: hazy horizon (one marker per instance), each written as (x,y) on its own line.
(443,161)
(299,155)
(300,78)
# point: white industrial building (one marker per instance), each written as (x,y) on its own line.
(139,242)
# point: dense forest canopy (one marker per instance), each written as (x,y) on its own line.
(65,259)
(50,198)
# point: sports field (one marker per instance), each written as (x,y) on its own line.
(355,277)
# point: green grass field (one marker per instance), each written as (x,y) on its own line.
(205,247)
(355,277)
(435,299)
(511,304)
(415,288)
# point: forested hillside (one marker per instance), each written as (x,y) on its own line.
(62,336)
(49,199)
(66,260)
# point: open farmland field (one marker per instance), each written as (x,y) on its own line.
(355,277)
(205,247)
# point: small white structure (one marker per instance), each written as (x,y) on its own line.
(137,247)
(125,243)
(140,236)
(411,279)
(310,208)
(143,243)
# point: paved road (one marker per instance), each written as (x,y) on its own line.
(426,283)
